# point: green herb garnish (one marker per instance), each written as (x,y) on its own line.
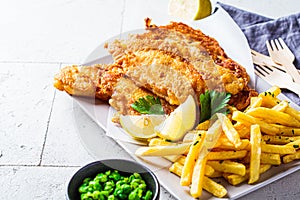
(148,105)
(213,102)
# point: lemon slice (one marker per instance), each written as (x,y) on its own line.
(190,9)
(141,126)
(180,121)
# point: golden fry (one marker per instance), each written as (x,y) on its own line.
(294,113)
(278,139)
(281,149)
(163,150)
(176,168)
(274,116)
(190,160)
(291,157)
(243,130)
(249,120)
(235,179)
(226,155)
(266,158)
(198,176)
(229,130)
(228,167)
(159,142)
(213,187)
(281,107)
(255,138)
(254,103)
(204,125)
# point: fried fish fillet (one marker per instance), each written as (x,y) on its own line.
(126,92)
(91,81)
(168,61)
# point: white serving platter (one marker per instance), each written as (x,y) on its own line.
(220,26)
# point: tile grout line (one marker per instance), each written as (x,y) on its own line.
(47,128)
(26,165)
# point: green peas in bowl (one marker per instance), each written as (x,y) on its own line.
(113,179)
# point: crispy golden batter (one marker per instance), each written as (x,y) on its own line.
(169,61)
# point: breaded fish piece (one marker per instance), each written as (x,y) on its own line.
(192,47)
(126,92)
(167,61)
(89,81)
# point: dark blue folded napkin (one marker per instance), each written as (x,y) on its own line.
(258,29)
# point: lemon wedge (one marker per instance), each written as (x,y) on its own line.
(141,126)
(180,121)
(190,9)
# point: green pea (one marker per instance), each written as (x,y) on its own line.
(111,197)
(102,178)
(133,195)
(87,180)
(83,189)
(142,186)
(96,194)
(148,195)
(126,188)
(115,175)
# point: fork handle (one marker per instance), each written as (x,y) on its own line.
(295,87)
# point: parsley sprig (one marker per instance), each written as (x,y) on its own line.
(213,102)
(148,105)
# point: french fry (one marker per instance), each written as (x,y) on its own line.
(295,144)
(198,176)
(281,149)
(274,91)
(159,142)
(274,116)
(213,187)
(266,158)
(163,150)
(278,139)
(190,136)
(226,155)
(225,144)
(254,103)
(243,130)
(269,97)
(291,157)
(235,179)
(229,130)
(176,168)
(281,106)
(255,138)
(204,125)
(216,174)
(249,120)
(228,167)
(189,163)
(209,171)
(294,113)
(287,131)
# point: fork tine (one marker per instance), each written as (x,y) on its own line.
(284,46)
(282,43)
(278,45)
(273,45)
(269,46)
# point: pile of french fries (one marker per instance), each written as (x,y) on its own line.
(238,147)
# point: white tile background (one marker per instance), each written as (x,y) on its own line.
(40,147)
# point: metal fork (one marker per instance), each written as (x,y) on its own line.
(275,76)
(282,55)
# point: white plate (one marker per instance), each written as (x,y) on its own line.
(222,27)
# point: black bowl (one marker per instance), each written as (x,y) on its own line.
(125,167)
